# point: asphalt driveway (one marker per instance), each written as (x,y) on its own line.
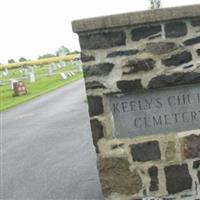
(46,149)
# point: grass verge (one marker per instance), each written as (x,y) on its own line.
(41,86)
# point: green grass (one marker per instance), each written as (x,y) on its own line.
(42,85)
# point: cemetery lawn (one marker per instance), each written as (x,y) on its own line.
(43,84)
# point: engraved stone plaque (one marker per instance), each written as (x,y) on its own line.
(147,112)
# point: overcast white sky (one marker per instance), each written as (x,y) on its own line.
(29,28)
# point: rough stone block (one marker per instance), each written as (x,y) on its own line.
(153,173)
(192,41)
(86,58)
(128,86)
(159,48)
(178,178)
(102,40)
(196,164)
(195,22)
(115,176)
(144,32)
(174,79)
(198,52)
(175,29)
(136,66)
(191,146)
(170,151)
(97,132)
(178,59)
(95,105)
(102,69)
(122,53)
(188,66)
(147,151)
(94,85)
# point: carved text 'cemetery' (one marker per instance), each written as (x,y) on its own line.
(156,111)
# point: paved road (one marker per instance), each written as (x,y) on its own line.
(47,151)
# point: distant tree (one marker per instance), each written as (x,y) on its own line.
(154,4)
(22,59)
(49,55)
(75,51)
(11,61)
(62,50)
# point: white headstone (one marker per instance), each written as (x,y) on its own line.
(78,65)
(26,72)
(11,83)
(58,65)
(31,77)
(62,63)
(69,74)
(6,70)
(31,70)
(50,70)
(1,82)
(63,76)
(54,66)
(4,74)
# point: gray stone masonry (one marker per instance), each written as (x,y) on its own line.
(140,51)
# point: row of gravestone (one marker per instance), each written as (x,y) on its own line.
(29,72)
(51,68)
(63,76)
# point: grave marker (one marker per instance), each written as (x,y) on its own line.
(62,64)
(63,76)
(6,71)
(1,83)
(19,88)
(31,77)
(11,83)
(4,74)
(50,70)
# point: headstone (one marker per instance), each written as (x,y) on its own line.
(31,70)
(50,70)
(19,88)
(62,64)
(63,76)
(1,83)
(142,81)
(31,77)
(6,71)
(26,72)
(54,67)
(78,65)
(72,73)
(11,83)
(58,65)
(4,74)
(69,74)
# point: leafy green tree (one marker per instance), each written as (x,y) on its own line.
(48,55)
(11,61)
(75,51)
(62,50)
(22,59)
(154,4)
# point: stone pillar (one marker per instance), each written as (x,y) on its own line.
(142,77)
